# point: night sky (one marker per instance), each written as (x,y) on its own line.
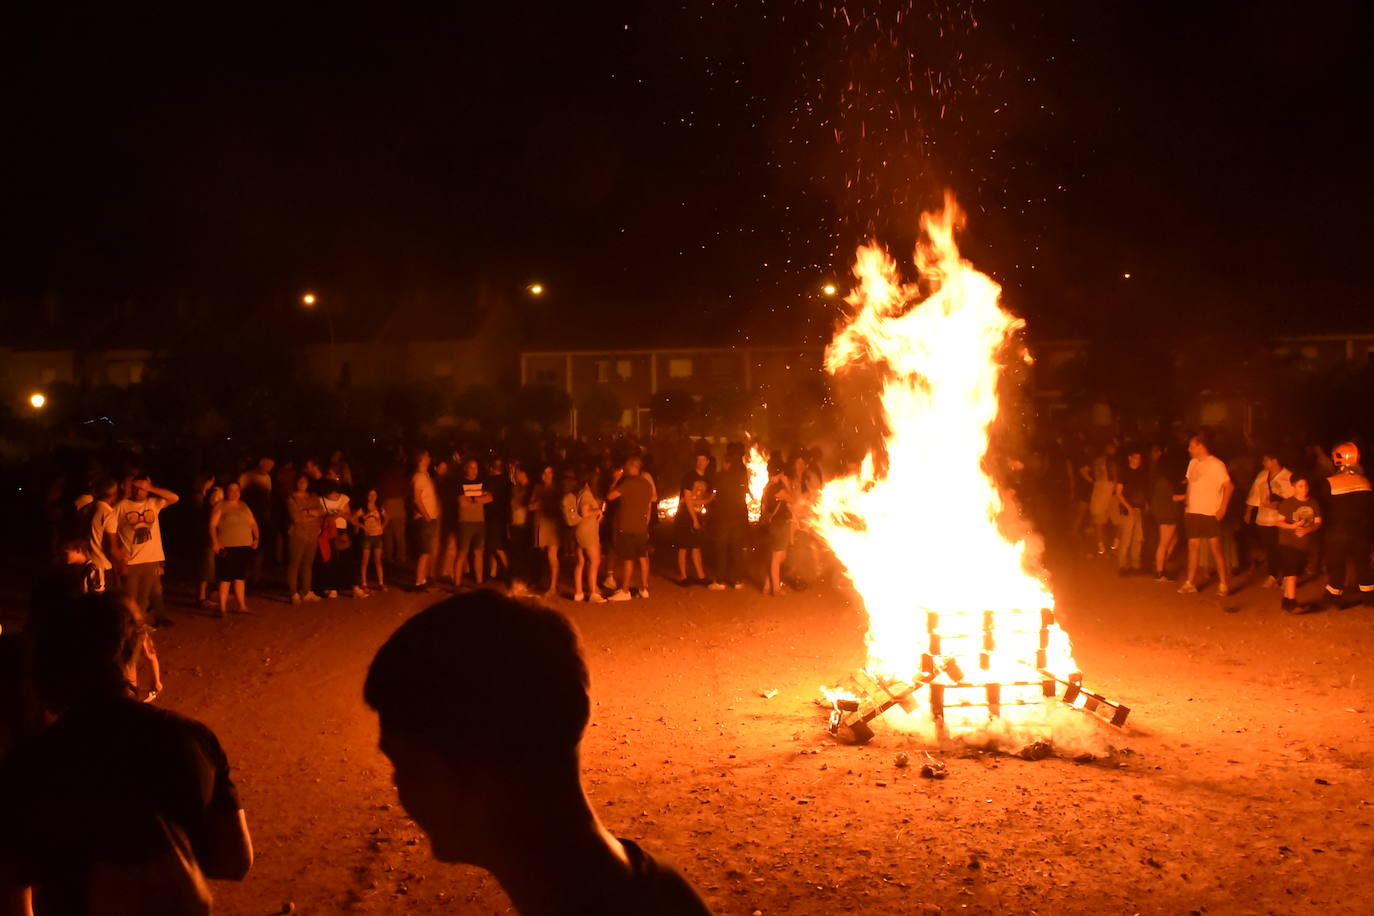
(722,159)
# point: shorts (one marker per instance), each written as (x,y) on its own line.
(1198,526)
(425,533)
(232,564)
(471,536)
(687,537)
(371,542)
(631,545)
(496,535)
(1292,560)
(779,536)
(587,537)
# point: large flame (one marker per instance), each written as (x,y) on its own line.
(917,529)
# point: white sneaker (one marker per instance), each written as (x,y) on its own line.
(739,585)
(620,595)
(1187,588)
(643,593)
(295,597)
(595,598)
(578,596)
(331,594)
(310,596)
(716,587)
(608,583)
(1269,582)
(359,592)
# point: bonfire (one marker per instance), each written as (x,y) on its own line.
(961,624)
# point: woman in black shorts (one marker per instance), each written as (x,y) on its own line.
(1167,493)
(234,537)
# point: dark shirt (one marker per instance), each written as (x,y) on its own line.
(700,485)
(1302,511)
(498,510)
(775,510)
(1349,505)
(636,494)
(1134,486)
(81,792)
(447,488)
(654,889)
(732,496)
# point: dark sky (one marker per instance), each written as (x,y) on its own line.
(721,158)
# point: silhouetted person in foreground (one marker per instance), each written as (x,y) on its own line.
(117,807)
(511,801)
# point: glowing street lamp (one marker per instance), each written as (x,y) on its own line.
(829,289)
(308,300)
(536,289)
(37,400)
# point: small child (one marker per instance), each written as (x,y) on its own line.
(1300,518)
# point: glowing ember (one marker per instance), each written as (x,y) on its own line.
(918,535)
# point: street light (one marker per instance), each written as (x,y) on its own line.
(536,289)
(37,400)
(829,289)
(309,299)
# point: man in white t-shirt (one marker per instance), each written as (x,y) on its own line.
(1271,486)
(1209,492)
(424,519)
(140,539)
(100,528)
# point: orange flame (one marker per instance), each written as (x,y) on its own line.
(920,536)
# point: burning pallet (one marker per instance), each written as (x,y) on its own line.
(867,697)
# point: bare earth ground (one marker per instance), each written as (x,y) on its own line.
(1242,784)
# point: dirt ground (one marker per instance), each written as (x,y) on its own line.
(1241,785)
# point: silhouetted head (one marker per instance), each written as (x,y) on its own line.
(85,650)
(482,701)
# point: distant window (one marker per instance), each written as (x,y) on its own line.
(679,368)
(443,369)
(627,418)
(603,370)
(546,377)
(135,373)
(624,369)
(1309,352)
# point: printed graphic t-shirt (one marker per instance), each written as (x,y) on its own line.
(139,530)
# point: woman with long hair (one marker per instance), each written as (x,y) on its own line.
(589,507)
(521,532)
(1168,490)
(302,540)
(777,520)
(548,523)
(370,520)
(205,495)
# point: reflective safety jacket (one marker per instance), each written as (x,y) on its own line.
(1350,505)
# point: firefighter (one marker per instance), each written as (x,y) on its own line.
(1348,523)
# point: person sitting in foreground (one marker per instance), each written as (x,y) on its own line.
(512,803)
(118,806)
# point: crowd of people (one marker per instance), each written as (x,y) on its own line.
(108,798)
(1293,518)
(580,526)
